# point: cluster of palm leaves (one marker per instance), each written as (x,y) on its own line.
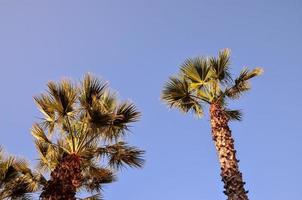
(17,181)
(85,120)
(207,80)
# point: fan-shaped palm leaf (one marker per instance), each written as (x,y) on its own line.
(197,71)
(176,93)
(221,65)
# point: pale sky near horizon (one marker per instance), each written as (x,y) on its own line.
(136,45)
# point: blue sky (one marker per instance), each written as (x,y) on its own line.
(136,45)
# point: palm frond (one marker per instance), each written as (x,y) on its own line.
(108,101)
(38,133)
(221,65)
(64,95)
(234,114)
(46,106)
(197,71)
(98,118)
(95,177)
(241,83)
(125,114)
(121,155)
(92,90)
(176,93)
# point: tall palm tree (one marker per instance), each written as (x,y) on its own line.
(17,181)
(207,80)
(80,138)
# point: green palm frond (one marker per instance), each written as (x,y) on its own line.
(125,114)
(197,71)
(64,96)
(121,155)
(38,133)
(44,163)
(221,66)
(241,83)
(92,89)
(46,106)
(108,101)
(98,119)
(95,177)
(176,93)
(233,114)
(49,155)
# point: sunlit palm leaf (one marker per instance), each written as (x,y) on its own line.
(125,114)
(92,89)
(95,177)
(38,132)
(109,101)
(47,107)
(121,155)
(221,65)
(196,70)
(233,114)
(64,95)
(176,93)
(241,83)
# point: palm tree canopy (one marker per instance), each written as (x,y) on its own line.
(86,120)
(207,80)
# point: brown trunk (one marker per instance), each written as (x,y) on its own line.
(224,143)
(64,180)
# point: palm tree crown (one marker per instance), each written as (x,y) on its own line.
(86,122)
(207,80)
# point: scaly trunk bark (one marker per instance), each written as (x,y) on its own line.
(224,143)
(64,180)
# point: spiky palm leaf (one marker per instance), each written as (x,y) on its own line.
(241,83)
(121,155)
(177,94)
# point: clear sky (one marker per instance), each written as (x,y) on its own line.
(136,45)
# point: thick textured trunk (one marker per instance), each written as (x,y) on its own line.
(64,180)
(224,143)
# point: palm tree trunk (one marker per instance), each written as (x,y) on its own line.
(224,143)
(64,181)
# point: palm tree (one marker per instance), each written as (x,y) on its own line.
(207,80)
(80,138)
(17,181)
